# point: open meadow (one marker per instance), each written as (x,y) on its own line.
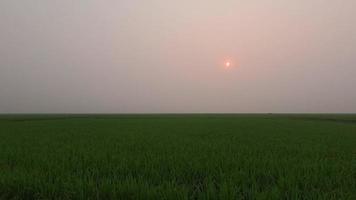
(178,156)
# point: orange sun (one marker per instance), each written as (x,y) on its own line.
(227,64)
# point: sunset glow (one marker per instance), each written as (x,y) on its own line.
(168,56)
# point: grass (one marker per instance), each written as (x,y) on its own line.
(178,157)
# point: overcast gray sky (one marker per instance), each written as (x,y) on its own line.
(128,56)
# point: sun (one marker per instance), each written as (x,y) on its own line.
(227,64)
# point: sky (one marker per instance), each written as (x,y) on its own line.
(164,56)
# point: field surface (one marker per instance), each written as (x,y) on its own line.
(178,157)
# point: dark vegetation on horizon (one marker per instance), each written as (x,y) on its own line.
(169,156)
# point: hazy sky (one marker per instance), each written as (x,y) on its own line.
(168,56)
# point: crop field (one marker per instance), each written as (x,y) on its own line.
(178,156)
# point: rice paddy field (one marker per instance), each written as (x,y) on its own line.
(178,156)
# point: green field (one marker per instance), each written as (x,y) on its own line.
(178,157)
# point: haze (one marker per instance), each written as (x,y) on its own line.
(130,56)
